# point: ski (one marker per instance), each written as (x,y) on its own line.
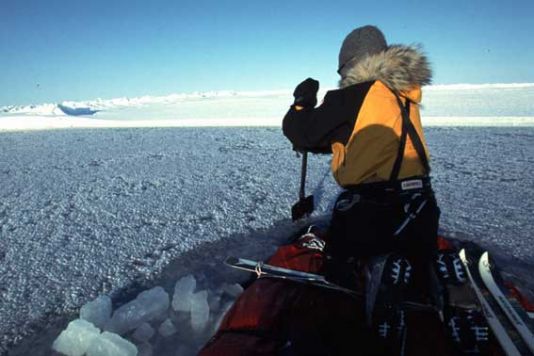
(501,332)
(264,270)
(511,307)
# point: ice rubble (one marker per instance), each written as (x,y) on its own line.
(183,290)
(149,305)
(167,328)
(76,339)
(150,324)
(200,310)
(98,311)
(110,344)
(143,333)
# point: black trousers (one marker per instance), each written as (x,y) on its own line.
(364,223)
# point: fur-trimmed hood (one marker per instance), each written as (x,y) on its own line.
(401,68)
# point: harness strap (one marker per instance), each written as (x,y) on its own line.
(408,130)
(402,146)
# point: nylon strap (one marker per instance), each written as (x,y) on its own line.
(408,130)
(402,146)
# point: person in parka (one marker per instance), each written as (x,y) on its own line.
(372,128)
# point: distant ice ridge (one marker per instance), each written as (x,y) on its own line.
(149,323)
(443,105)
(76,108)
(37,110)
(61,109)
(93,106)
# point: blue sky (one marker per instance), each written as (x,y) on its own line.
(55,50)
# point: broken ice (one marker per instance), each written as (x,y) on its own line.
(110,344)
(200,310)
(145,349)
(76,339)
(183,290)
(144,332)
(148,305)
(98,311)
(167,328)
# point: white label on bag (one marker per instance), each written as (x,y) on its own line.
(412,184)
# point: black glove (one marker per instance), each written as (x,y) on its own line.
(306,93)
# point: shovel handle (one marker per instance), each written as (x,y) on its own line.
(303,169)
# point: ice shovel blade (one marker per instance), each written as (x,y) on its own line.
(303,208)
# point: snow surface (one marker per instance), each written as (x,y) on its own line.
(92,212)
(117,211)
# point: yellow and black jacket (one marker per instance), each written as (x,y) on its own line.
(360,123)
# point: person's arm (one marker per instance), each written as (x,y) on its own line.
(314,129)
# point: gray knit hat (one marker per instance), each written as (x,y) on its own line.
(361,42)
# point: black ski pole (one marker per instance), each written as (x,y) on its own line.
(304,207)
